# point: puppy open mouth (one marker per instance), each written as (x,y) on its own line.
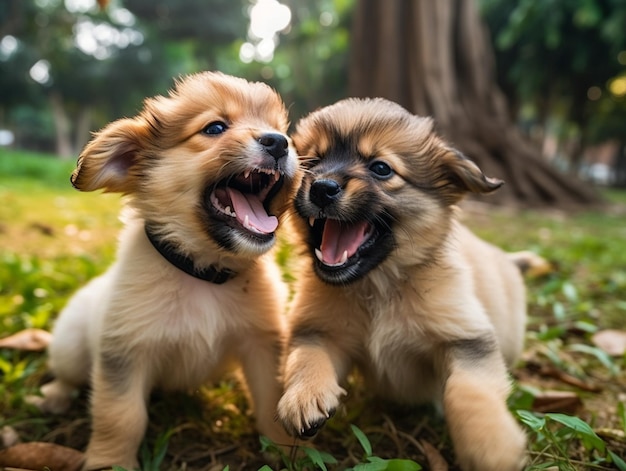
(345,251)
(340,242)
(242,201)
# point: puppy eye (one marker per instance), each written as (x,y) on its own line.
(381,169)
(214,128)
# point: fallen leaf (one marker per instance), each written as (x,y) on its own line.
(40,455)
(613,434)
(611,341)
(566,402)
(33,340)
(436,462)
(569,379)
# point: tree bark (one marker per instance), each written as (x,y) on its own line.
(62,127)
(83,127)
(434,58)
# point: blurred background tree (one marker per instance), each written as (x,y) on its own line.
(562,64)
(69,66)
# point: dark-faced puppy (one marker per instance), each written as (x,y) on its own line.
(397,287)
(208,171)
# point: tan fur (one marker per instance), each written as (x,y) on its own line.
(145,323)
(438,319)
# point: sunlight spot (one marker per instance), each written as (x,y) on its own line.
(326,18)
(40,72)
(265,50)
(6,137)
(122,16)
(618,86)
(267,19)
(246,52)
(8,45)
(40,293)
(79,6)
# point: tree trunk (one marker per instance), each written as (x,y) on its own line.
(434,58)
(62,127)
(83,127)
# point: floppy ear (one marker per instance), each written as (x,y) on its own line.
(465,177)
(108,159)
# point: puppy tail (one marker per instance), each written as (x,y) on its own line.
(531,264)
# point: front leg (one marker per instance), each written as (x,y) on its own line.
(118,409)
(313,371)
(261,361)
(485,435)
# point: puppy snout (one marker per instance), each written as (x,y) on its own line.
(275,144)
(324,192)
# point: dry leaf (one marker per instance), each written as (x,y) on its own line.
(611,341)
(569,379)
(33,340)
(436,462)
(40,455)
(565,402)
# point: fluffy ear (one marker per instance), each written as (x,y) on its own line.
(465,176)
(108,159)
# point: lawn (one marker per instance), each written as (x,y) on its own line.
(570,394)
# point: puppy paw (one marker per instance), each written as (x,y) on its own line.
(56,398)
(303,411)
(502,450)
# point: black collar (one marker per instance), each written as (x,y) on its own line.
(185,264)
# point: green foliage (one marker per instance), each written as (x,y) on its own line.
(550,54)
(374,463)
(310,458)
(556,433)
(152,459)
(22,167)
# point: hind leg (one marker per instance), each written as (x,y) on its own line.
(70,350)
(486,437)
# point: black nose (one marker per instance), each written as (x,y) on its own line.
(324,192)
(275,144)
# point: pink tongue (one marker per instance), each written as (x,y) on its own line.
(251,206)
(339,238)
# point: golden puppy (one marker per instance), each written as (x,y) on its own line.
(395,286)
(208,169)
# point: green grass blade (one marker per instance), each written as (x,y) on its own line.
(363,440)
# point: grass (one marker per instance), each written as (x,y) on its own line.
(54,238)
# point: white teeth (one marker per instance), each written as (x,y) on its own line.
(246,224)
(320,257)
(311,221)
(318,254)
(344,257)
